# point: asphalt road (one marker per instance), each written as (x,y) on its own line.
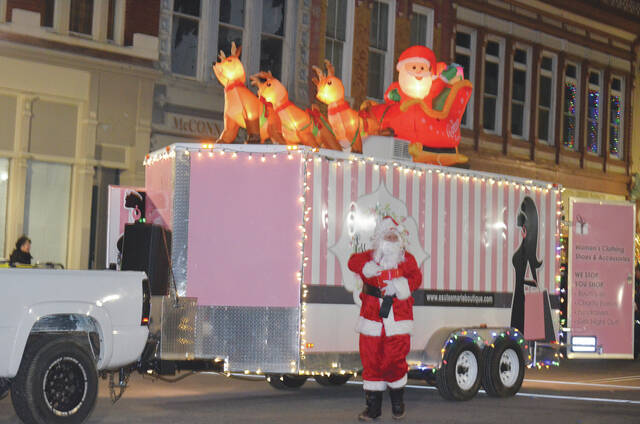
(578,392)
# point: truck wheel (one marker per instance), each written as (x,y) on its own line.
(332,379)
(459,376)
(286,381)
(56,383)
(503,368)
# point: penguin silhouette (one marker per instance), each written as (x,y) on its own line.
(525,255)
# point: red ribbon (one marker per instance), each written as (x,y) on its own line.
(284,106)
(341,107)
(316,116)
(233,85)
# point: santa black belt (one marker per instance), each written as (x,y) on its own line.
(387,301)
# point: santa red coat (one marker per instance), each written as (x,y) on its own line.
(406,278)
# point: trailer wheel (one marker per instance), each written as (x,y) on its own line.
(503,368)
(459,376)
(286,381)
(332,379)
(56,383)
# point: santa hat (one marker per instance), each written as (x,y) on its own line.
(387,224)
(418,54)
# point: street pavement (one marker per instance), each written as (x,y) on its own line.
(577,392)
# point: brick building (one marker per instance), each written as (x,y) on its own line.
(553,87)
(76,87)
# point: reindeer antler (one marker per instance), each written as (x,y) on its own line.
(255,81)
(235,51)
(262,75)
(330,69)
(222,56)
(320,74)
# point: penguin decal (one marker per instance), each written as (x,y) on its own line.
(525,255)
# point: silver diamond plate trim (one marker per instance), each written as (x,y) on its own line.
(180,221)
(178,328)
(252,338)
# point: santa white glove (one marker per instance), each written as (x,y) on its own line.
(389,289)
(371,269)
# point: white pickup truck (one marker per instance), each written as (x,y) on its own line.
(58,329)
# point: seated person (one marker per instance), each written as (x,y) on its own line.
(20,254)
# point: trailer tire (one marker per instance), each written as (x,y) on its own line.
(286,381)
(332,379)
(459,376)
(503,368)
(57,382)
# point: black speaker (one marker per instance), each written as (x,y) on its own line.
(147,247)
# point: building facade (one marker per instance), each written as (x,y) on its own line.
(553,87)
(76,90)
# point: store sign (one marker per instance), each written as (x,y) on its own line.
(185,124)
(601,279)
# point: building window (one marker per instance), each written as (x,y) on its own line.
(273,32)
(4,186)
(616,108)
(593,113)
(336,33)
(46,13)
(111,20)
(47,189)
(380,49)
(571,102)
(520,92)
(81,17)
(546,99)
(465,46)
(231,26)
(184,37)
(492,95)
(422,26)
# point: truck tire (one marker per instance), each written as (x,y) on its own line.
(459,376)
(286,381)
(57,382)
(503,368)
(332,379)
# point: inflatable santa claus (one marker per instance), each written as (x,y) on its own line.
(425,106)
(390,275)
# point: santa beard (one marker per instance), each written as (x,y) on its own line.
(412,87)
(388,254)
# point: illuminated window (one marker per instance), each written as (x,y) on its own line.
(380,48)
(4,185)
(422,26)
(571,101)
(593,113)
(616,109)
(47,189)
(465,47)
(492,94)
(546,98)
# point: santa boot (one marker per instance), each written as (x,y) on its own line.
(374,406)
(397,403)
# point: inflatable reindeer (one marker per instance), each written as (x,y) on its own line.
(298,126)
(348,125)
(241,107)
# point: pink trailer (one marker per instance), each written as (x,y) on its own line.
(261,236)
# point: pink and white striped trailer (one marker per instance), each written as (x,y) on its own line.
(262,236)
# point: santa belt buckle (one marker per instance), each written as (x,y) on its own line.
(388,274)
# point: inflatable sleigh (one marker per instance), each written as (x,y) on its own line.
(432,130)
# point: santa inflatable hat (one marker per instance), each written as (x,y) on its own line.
(417,54)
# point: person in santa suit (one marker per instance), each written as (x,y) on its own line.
(390,274)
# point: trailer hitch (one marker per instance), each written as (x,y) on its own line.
(116,390)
